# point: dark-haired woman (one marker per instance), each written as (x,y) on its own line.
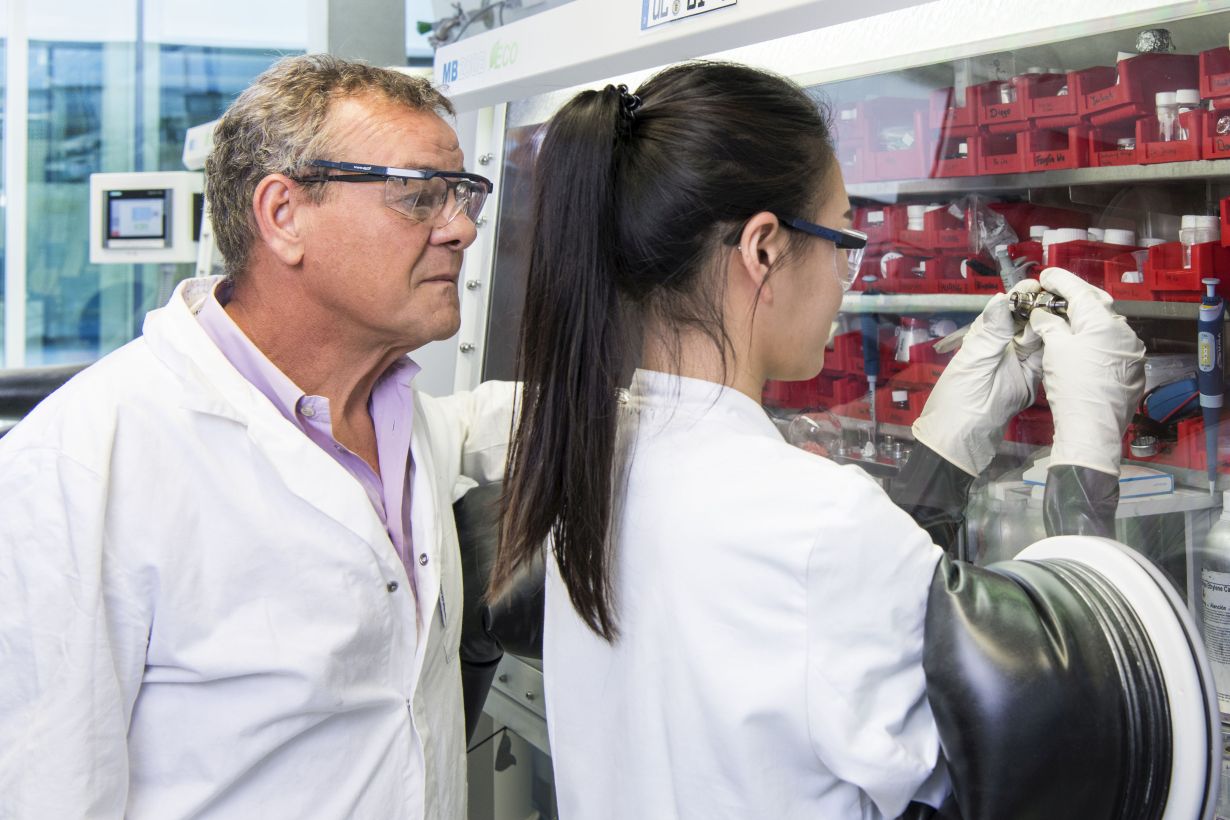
(735,627)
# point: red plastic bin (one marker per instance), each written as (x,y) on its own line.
(950,161)
(1131,291)
(997,117)
(1130,93)
(909,163)
(1214,145)
(1033,425)
(1215,74)
(999,154)
(1045,149)
(1085,259)
(941,231)
(1225,221)
(1174,283)
(881,224)
(1045,106)
(1104,150)
(1150,151)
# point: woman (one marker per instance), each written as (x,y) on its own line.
(734,627)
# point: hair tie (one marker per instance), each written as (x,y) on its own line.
(628,102)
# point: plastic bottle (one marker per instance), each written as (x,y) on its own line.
(1215,604)
(1196,229)
(1167,114)
(1186,99)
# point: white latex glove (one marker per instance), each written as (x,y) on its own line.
(1093,367)
(991,379)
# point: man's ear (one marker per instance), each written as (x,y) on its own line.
(275,210)
(761,244)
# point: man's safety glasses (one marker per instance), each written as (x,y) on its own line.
(436,197)
(853,243)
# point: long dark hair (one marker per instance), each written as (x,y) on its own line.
(631,204)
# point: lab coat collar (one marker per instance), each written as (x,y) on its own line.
(213,386)
(697,399)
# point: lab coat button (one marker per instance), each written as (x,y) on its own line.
(423,559)
(307,411)
(392,586)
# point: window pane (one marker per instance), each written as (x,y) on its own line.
(102,106)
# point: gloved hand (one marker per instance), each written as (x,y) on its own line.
(991,379)
(1093,367)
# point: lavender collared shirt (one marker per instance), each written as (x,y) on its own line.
(391,406)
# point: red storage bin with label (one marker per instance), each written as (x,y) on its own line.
(999,154)
(852,158)
(1045,149)
(1045,106)
(1215,74)
(1174,283)
(951,160)
(1131,291)
(1130,94)
(1031,251)
(881,224)
(1150,150)
(1225,221)
(1215,145)
(998,117)
(941,231)
(889,413)
(1104,150)
(913,162)
(1085,259)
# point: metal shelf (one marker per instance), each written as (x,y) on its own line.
(1203,169)
(907,303)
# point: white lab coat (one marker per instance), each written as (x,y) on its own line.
(771,611)
(201,613)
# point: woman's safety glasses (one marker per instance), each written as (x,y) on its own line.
(847,242)
(435,197)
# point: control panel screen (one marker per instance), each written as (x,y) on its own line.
(137,214)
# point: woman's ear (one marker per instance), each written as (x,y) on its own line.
(276,210)
(761,245)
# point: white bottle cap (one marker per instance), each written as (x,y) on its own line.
(1048,236)
(1056,71)
(1119,236)
(1097,234)
(915,211)
(1070,235)
(1036,231)
(1164,98)
(1150,241)
(901,395)
(1210,222)
(1132,277)
(1187,96)
(1034,69)
(1188,221)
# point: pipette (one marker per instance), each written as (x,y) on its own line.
(870,327)
(1211,317)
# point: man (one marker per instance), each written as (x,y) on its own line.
(229,581)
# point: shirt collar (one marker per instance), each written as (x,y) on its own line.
(697,399)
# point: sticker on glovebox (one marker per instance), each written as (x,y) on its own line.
(658,12)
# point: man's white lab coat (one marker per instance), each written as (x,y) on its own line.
(770,606)
(201,613)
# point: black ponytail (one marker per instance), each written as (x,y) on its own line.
(559,477)
(634,195)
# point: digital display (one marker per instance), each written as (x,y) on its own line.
(137,214)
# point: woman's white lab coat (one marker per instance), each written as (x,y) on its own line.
(202,615)
(770,606)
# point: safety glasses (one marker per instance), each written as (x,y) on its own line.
(847,242)
(435,197)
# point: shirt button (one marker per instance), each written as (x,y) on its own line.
(392,586)
(423,560)
(307,411)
